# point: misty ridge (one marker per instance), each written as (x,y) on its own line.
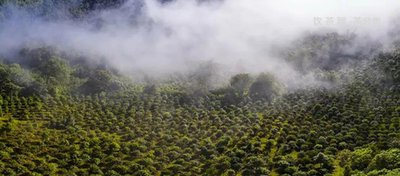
(200,87)
(199,43)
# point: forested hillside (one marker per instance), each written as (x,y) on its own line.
(65,114)
(49,127)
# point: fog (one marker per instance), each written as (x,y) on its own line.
(163,39)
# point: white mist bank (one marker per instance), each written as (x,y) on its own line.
(162,39)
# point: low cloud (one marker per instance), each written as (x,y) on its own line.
(161,39)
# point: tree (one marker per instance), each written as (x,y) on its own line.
(361,158)
(100,80)
(56,68)
(255,166)
(237,90)
(241,83)
(389,159)
(150,89)
(265,87)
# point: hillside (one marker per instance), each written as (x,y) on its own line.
(166,131)
(66,113)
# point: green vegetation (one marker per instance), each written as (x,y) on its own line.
(58,117)
(64,115)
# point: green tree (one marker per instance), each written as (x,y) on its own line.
(265,87)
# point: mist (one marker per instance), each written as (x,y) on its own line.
(162,39)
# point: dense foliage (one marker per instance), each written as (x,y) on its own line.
(57,118)
(63,115)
